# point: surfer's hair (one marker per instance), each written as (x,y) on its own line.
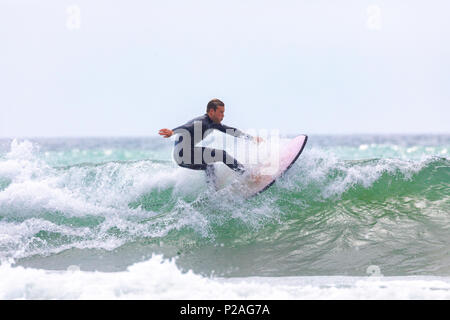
(213,104)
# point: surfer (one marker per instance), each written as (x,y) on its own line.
(187,155)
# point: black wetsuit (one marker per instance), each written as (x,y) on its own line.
(202,158)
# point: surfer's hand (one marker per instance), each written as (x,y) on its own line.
(166,133)
(258,139)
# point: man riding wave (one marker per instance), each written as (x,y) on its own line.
(187,155)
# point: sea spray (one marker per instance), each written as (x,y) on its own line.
(346,204)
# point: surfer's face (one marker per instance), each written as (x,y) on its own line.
(217,116)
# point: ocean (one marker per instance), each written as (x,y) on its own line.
(356,217)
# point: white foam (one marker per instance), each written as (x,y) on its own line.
(101,189)
(161,279)
(363,147)
(22,150)
(334,176)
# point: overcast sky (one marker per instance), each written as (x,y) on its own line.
(129,68)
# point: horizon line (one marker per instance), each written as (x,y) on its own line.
(284,134)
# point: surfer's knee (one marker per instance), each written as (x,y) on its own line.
(239,168)
(210,170)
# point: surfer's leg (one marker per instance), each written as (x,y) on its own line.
(214,156)
(211,175)
(208,156)
(236,166)
(189,162)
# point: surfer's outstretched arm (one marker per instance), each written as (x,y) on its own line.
(237,133)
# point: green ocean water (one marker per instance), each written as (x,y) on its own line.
(348,203)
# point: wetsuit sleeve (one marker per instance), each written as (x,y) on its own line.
(184,126)
(232,131)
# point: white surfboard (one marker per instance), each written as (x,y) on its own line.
(267,172)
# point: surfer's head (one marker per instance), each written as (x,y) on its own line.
(215,110)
